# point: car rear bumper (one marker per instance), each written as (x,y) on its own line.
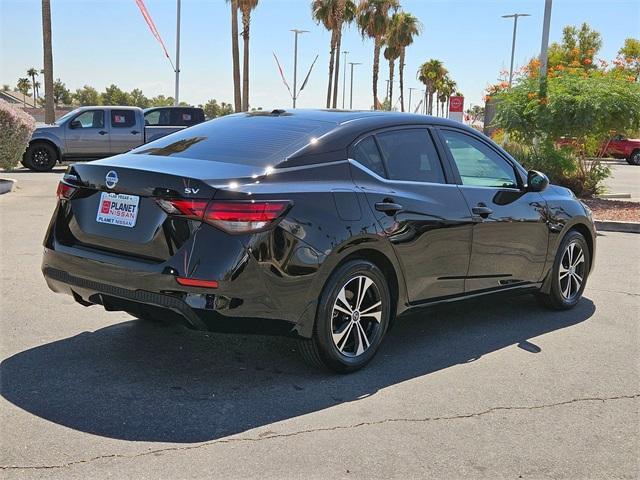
(150,292)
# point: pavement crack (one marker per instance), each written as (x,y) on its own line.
(615,291)
(263,438)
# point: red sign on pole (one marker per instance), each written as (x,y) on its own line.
(456,104)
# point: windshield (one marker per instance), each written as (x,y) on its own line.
(250,139)
(66,116)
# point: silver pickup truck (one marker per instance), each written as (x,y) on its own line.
(95,132)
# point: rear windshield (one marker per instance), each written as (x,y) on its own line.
(249,139)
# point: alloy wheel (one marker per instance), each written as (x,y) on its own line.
(571,271)
(40,156)
(356,316)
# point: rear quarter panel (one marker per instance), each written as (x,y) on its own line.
(328,222)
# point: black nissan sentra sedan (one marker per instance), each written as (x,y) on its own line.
(323,225)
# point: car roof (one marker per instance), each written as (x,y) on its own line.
(349,125)
(112,107)
(341,117)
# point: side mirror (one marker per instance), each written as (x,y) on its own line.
(75,124)
(536,181)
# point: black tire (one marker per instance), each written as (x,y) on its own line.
(40,157)
(344,355)
(565,293)
(634,158)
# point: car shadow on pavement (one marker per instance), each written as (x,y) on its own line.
(161,383)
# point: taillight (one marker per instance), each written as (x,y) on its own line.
(244,216)
(231,216)
(65,191)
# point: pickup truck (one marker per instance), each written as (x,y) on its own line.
(617,146)
(94,132)
(627,148)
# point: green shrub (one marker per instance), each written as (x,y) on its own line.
(16,127)
(563,166)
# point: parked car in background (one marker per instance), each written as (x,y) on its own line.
(618,146)
(627,148)
(96,132)
(326,225)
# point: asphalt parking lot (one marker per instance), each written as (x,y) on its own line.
(624,178)
(492,388)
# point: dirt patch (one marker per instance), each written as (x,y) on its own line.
(617,210)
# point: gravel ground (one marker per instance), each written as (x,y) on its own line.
(617,210)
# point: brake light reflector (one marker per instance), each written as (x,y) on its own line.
(194,282)
(65,191)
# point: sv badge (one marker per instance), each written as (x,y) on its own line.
(191,190)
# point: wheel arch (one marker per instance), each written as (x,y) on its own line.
(586,233)
(49,142)
(372,252)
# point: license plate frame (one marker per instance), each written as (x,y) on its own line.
(118,209)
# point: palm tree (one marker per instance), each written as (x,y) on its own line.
(373,21)
(345,13)
(404,27)
(430,73)
(391,53)
(23,86)
(36,88)
(235,54)
(324,11)
(49,111)
(245,7)
(33,73)
(447,88)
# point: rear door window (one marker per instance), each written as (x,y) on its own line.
(123,118)
(157,118)
(410,154)
(183,117)
(366,153)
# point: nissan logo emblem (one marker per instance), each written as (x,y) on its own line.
(111,179)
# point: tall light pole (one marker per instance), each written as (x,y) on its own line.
(545,39)
(515,17)
(295,63)
(351,92)
(410,90)
(176,100)
(344,76)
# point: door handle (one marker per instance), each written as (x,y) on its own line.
(134,132)
(388,207)
(482,210)
(102,132)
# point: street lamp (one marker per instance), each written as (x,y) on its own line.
(544,57)
(176,100)
(351,92)
(515,17)
(410,90)
(344,76)
(295,62)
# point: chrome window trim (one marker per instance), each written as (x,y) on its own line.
(389,181)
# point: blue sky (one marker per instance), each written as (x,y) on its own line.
(107,41)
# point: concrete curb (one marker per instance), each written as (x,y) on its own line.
(6,185)
(609,196)
(613,226)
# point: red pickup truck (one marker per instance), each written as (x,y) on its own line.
(618,147)
(627,148)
